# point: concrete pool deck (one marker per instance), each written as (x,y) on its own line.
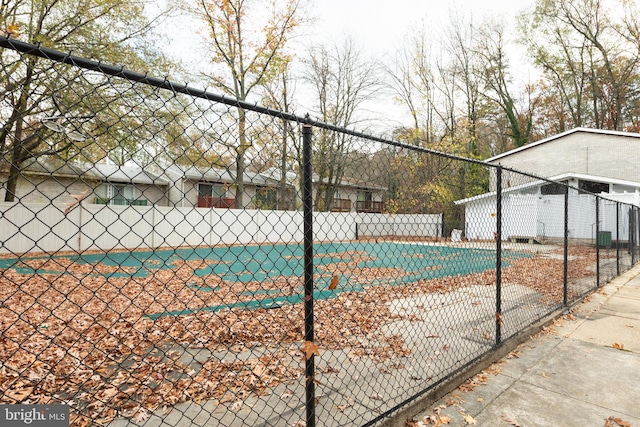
(582,372)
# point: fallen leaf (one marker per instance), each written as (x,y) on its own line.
(622,423)
(511,420)
(473,382)
(544,375)
(117,331)
(21,394)
(437,420)
(309,349)
(78,197)
(140,417)
(499,318)
(515,354)
(618,346)
(494,369)
(235,406)
(344,407)
(469,419)
(334,283)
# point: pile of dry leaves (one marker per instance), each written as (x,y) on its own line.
(76,335)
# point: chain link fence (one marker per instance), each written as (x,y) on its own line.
(170,256)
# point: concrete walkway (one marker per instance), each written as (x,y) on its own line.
(584,370)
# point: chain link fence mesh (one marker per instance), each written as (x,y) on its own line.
(168,259)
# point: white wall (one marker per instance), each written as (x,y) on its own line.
(44,227)
(423,225)
(590,153)
(543,216)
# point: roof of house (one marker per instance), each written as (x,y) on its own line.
(292,177)
(353,183)
(130,174)
(556,178)
(561,135)
(224,176)
(275,174)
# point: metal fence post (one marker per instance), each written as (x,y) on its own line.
(637,231)
(498,255)
(566,247)
(637,213)
(632,234)
(597,241)
(308,273)
(618,238)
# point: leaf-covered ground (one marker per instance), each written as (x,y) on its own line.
(87,340)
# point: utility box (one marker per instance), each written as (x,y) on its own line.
(604,239)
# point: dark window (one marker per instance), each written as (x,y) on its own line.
(205,189)
(593,187)
(365,195)
(215,190)
(553,188)
(266,198)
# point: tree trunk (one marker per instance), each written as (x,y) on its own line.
(283,202)
(242,136)
(18,154)
(17,158)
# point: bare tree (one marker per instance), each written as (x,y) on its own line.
(246,44)
(460,37)
(564,59)
(279,94)
(615,66)
(402,83)
(491,47)
(342,80)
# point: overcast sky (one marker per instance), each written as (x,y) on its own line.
(381,25)
(378,27)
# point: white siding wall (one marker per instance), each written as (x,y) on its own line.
(543,216)
(612,156)
(36,227)
(41,189)
(425,225)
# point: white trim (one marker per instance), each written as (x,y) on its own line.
(561,177)
(603,179)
